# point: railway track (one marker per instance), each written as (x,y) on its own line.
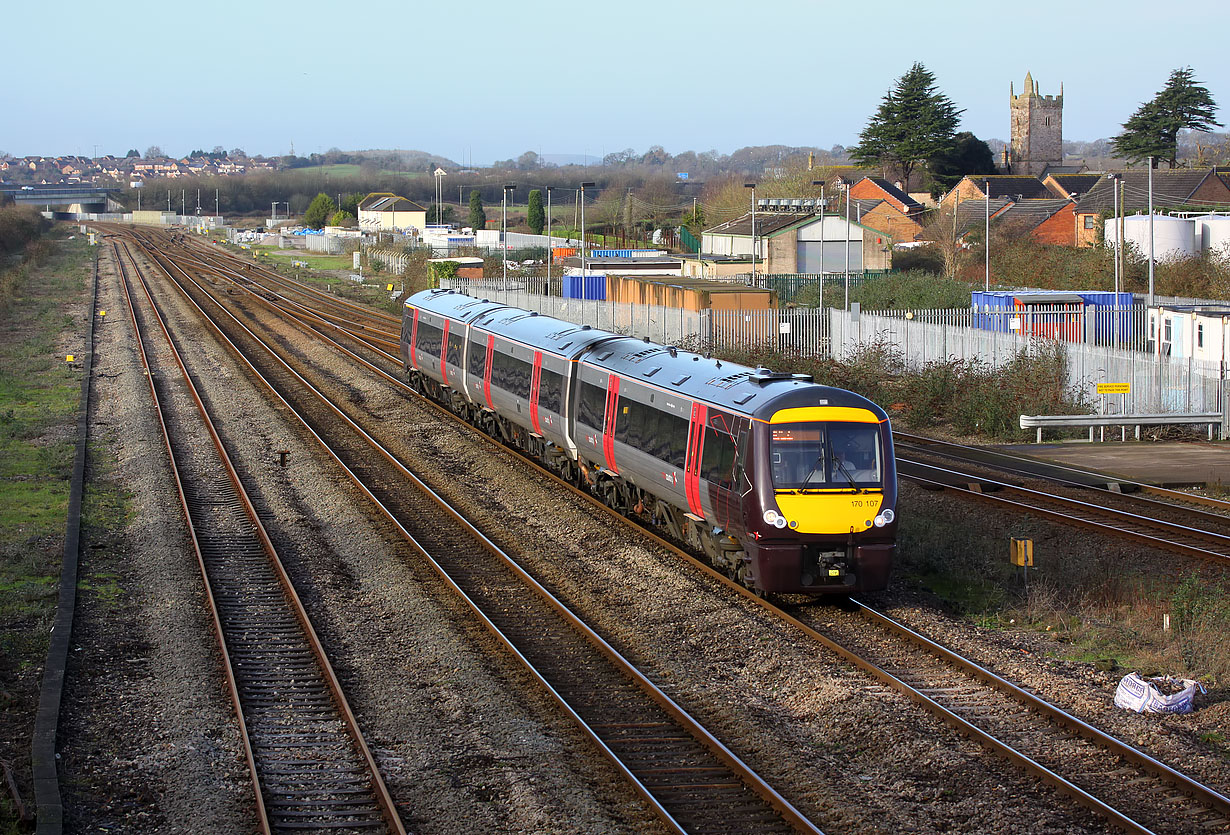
(1076,758)
(310,767)
(1203,533)
(685,774)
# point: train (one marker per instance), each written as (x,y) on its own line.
(784,485)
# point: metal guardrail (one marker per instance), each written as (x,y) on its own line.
(1041,422)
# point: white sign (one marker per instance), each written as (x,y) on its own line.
(1014,323)
(783,327)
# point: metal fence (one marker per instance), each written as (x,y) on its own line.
(1157,384)
(667,325)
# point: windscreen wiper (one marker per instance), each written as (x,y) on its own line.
(842,468)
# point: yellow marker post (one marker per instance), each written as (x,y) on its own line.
(69,358)
(102,313)
(388,287)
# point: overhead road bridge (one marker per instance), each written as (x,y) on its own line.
(71,199)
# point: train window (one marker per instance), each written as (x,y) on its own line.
(550,390)
(671,441)
(820,455)
(478,358)
(592,408)
(456,349)
(430,339)
(717,464)
(511,374)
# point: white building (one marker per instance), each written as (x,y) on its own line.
(1199,331)
(382,212)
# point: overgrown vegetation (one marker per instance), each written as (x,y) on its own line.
(39,395)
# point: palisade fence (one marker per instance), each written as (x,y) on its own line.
(1158,384)
(668,325)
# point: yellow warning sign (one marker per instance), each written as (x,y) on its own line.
(1114,388)
(1021,552)
(69,358)
(388,287)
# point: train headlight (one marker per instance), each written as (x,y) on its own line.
(886,516)
(771,517)
(779,522)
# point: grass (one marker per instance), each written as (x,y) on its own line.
(315,260)
(39,394)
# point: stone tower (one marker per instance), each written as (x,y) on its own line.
(1037,130)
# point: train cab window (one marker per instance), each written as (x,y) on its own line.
(591,410)
(456,349)
(550,390)
(829,456)
(430,339)
(478,358)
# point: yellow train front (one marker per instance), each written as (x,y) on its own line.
(821,514)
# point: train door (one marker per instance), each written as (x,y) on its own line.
(696,446)
(535,382)
(608,429)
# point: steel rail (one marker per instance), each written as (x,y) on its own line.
(1081,477)
(1064,516)
(791,816)
(961,724)
(379,789)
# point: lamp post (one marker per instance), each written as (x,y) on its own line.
(1114,184)
(1150,231)
(549,249)
(845,190)
(752,186)
(583,187)
(504,231)
(438,173)
(986,187)
(820,300)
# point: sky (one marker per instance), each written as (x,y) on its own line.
(483,81)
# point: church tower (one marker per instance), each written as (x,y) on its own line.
(1037,130)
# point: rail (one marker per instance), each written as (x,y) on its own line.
(1040,422)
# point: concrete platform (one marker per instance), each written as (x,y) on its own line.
(1163,463)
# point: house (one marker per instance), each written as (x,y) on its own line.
(896,214)
(1008,186)
(1046,221)
(1070,186)
(387,212)
(789,243)
(1181,188)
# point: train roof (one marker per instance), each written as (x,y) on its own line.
(550,334)
(756,392)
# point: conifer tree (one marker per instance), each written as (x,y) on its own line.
(319,211)
(535,217)
(478,217)
(914,123)
(1153,130)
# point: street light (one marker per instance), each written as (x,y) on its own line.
(820,301)
(583,187)
(752,186)
(986,187)
(438,173)
(845,190)
(504,231)
(549,250)
(1114,184)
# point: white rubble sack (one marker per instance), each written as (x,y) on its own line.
(1143,695)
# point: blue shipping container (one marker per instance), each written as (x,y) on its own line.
(584,287)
